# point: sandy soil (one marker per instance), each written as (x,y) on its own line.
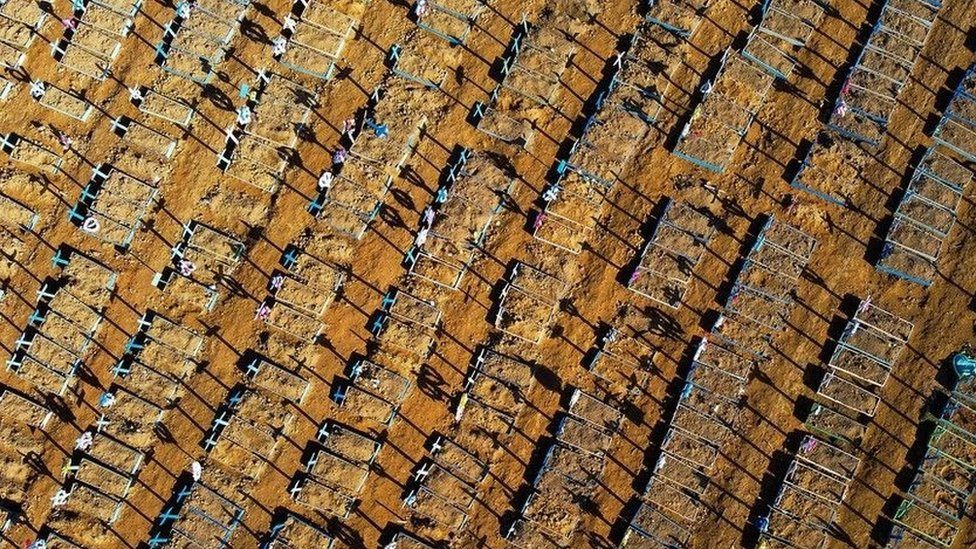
(751,463)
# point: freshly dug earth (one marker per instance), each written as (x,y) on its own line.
(191,187)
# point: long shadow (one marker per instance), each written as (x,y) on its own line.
(834,87)
(837,324)
(647,231)
(876,242)
(748,241)
(916,458)
(769,487)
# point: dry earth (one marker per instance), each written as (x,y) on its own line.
(193,188)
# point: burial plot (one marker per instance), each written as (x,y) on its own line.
(144,139)
(681,17)
(674,500)
(462,214)
(565,467)
(582,435)
(407,322)
(720,121)
(831,169)
(871,342)
(58,541)
(324,276)
(557,519)
(403,540)
(459,461)
(740,335)
(451,20)
(500,124)
(835,426)
(373,393)
(869,94)
(338,472)
(195,41)
(573,205)
(655,527)
(130,418)
(430,505)
(88,49)
(322,498)
(785,28)
(112,206)
(924,217)
(494,393)
(319,39)
(291,531)
(24,151)
(849,394)
(66,103)
(697,452)
(528,302)
(665,264)
(440,496)
(594,410)
(791,532)
(355,447)
(681,473)
(24,410)
(276,379)
(409,62)
(163,106)
(90,502)
(197,515)
(482,418)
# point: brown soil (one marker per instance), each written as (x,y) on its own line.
(493,430)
